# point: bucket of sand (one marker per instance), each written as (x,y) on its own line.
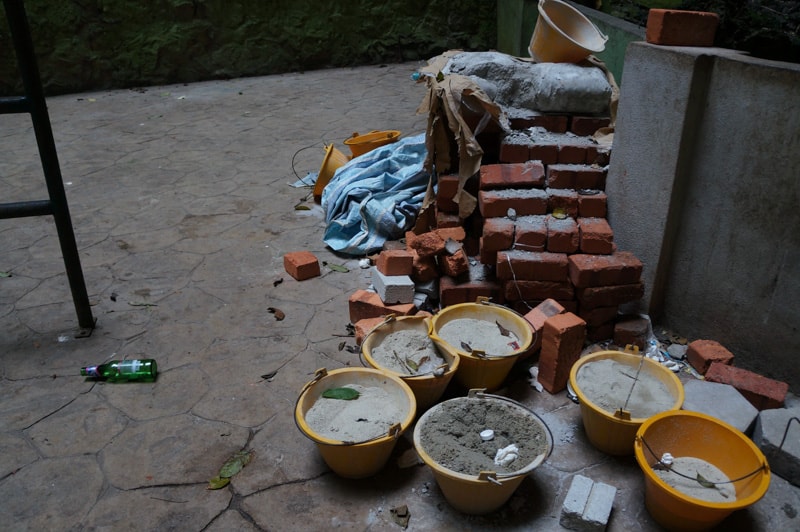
(713,469)
(477,474)
(618,391)
(488,339)
(401,347)
(355,416)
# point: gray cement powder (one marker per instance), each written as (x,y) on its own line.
(606,383)
(369,416)
(479,335)
(396,349)
(691,466)
(451,435)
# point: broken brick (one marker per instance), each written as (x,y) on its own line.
(364,304)
(536,318)
(762,392)
(301,265)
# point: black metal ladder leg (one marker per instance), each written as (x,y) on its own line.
(34,103)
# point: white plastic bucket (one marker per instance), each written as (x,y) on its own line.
(564,35)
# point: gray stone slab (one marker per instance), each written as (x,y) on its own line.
(768,434)
(599,505)
(575,502)
(721,401)
(587,505)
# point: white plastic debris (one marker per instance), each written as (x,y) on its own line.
(506,455)
(487,435)
(364,264)
(534,380)
(667,459)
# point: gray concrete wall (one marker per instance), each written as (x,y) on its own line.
(704,187)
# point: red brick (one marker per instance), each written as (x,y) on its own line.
(632,331)
(301,265)
(396,262)
(498,234)
(572,153)
(562,200)
(364,304)
(702,353)
(529,174)
(546,153)
(599,333)
(427,244)
(592,204)
(447,219)
(532,266)
(537,290)
(455,264)
(590,177)
(514,151)
(562,342)
(487,256)
(452,292)
(552,123)
(586,126)
(596,236)
(446,189)
(561,176)
(423,268)
(672,27)
(762,392)
(530,233)
(599,316)
(619,268)
(453,233)
(536,318)
(496,203)
(363,327)
(607,296)
(562,235)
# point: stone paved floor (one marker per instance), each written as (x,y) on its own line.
(182,210)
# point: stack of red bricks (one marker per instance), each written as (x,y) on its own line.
(543,228)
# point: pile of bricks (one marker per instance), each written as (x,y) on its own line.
(541,225)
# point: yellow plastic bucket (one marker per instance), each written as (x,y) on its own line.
(427,388)
(563,34)
(333,160)
(361,144)
(684,433)
(355,459)
(487,491)
(477,369)
(614,432)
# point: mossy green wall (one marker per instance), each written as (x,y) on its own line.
(98,44)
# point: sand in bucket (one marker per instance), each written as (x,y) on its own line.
(408,352)
(472,334)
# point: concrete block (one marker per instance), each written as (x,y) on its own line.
(393,289)
(768,433)
(587,505)
(721,401)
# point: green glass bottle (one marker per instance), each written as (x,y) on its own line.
(123,370)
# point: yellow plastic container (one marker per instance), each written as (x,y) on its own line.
(333,160)
(563,34)
(361,144)
(683,433)
(487,491)
(427,388)
(355,459)
(477,369)
(614,432)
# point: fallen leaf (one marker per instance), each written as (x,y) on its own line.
(341,345)
(235,463)
(411,364)
(704,482)
(269,376)
(141,304)
(336,267)
(503,330)
(278,281)
(400,515)
(352,349)
(5,274)
(218,483)
(301,207)
(279,315)
(466,347)
(346,394)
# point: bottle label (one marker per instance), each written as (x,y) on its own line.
(129,367)
(91,371)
